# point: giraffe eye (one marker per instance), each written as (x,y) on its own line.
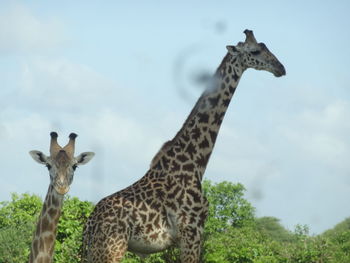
(255,53)
(75,167)
(48,166)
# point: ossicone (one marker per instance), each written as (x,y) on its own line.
(250,39)
(54,146)
(70,147)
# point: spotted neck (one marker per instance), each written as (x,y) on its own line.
(195,141)
(45,234)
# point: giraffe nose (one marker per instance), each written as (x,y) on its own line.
(61,182)
(61,185)
(61,189)
(281,71)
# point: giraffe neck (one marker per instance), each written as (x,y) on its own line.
(194,143)
(45,234)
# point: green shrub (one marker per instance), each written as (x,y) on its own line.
(17,221)
(70,229)
(232,233)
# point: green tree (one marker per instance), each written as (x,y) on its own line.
(271,227)
(341,246)
(15,243)
(232,234)
(17,221)
(227,206)
(307,249)
(339,236)
(70,229)
(20,210)
(230,219)
(238,245)
(338,228)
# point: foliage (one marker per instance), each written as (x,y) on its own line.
(306,249)
(339,228)
(70,228)
(227,207)
(15,242)
(232,233)
(339,237)
(240,245)
(341,246)
(169,256)
(272,228)
(20,210)
(17,221)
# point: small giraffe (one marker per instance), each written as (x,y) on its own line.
(61,164)
(166,207)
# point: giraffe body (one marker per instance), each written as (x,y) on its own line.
(61,164)
(166,207)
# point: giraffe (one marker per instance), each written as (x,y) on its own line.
(166,207)
(61,165)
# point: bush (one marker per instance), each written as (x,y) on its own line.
(227,207)
(15,243)
(17,221)
(70,229)
(238,245)
(232,233)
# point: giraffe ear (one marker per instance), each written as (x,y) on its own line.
(84,157)
(231,49)
(39,157)
(234,50)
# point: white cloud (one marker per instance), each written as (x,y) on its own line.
(20,132)
(131,137)
(18,125)
(64,85)
(22,31)
(322,134)
(290,160)
(124,147)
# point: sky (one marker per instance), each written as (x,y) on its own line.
(124,75)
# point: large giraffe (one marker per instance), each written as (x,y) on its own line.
(61,164)
(166,207)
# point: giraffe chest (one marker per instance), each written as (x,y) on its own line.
(154,242)
(154,235)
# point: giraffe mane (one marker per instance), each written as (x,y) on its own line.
(165,147)
(168,144)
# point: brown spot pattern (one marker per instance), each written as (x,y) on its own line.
(171,188)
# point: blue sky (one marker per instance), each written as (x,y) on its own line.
(124,76)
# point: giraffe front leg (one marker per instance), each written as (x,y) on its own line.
(190,244)
(108,249)
(111,254)
(116,252)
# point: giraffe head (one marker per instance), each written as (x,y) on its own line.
(61,162)
(256,55)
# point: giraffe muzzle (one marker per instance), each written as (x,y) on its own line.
(61,186)
(62,190)
(281,71)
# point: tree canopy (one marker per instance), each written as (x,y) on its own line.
(232,233)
